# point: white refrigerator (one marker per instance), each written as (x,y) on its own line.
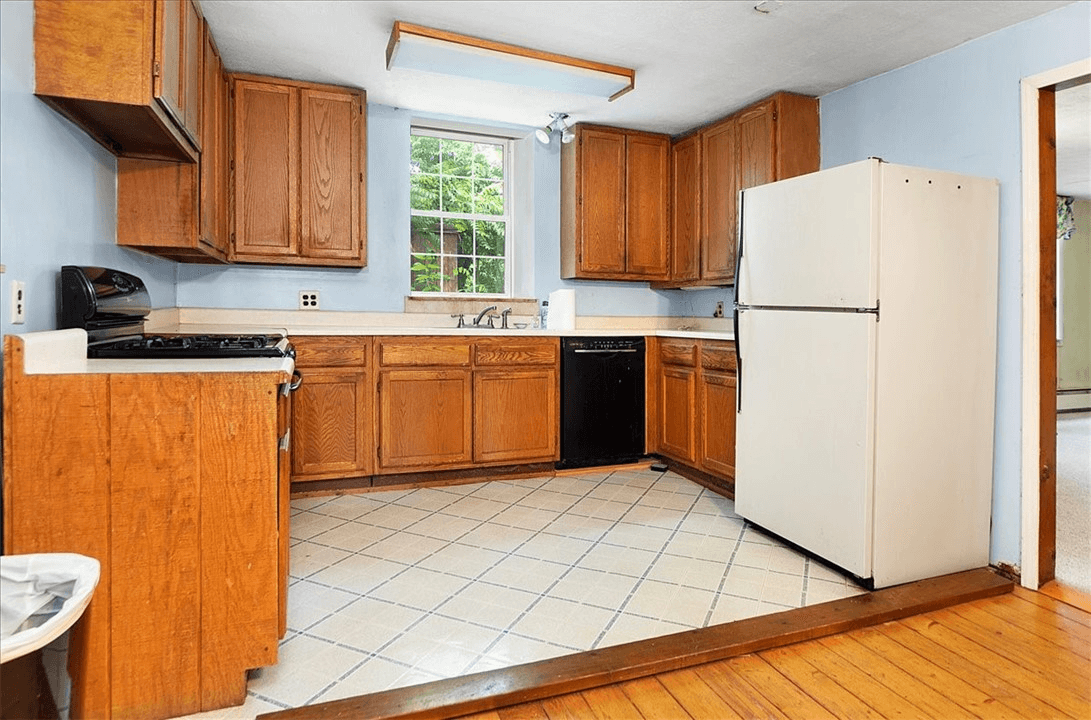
(866,336)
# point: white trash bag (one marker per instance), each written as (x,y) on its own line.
(41,596)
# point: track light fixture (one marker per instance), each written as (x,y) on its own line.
(558,125)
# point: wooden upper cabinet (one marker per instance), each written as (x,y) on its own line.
(686,209)
(774,139)
(214,150)
(299,187)
(718,190)
(179,210)
(601,203)
(266,161)
(614,204)
(647,177)
(331,194)
(178,56)
(128,73)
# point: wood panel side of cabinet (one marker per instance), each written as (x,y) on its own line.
(330,147)
(169,46)
(158,205)
(678,412)
(569,210)
(515,415)
(239,611)
(652,379)
(103,51)
(647,218)
(798,141)
(425,419)
(718,206)
(284,507)
(266,166)
(214,149)
(600,208)
(331,424)
(57,499)
(156,628)
(685,246)
(717,423)
(192,67)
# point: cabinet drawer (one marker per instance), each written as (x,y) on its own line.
(330,351)
(718,356)
(525,351)
(678,352)
(430,351)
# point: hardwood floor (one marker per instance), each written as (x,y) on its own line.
(1018,655)
(690,675)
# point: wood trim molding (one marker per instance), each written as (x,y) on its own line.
(403,28)
(1030,526)
(456,697)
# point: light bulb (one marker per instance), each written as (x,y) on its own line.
(543,135)
(567,137)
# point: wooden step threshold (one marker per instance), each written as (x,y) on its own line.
(484,691)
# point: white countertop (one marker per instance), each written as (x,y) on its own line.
(64,352)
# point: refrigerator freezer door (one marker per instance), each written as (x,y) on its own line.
(804,442)
(811,241)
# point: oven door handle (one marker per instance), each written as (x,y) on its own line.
(293,385)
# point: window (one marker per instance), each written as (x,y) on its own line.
(460,213)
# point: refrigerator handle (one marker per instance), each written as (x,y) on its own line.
(738,363)
(738,255)
(735,317)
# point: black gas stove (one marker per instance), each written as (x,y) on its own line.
(193,346)
(112,306)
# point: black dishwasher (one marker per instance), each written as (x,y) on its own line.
(602,401)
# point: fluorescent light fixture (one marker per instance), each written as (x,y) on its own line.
(413,47)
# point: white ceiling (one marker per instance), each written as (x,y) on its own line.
(695,61)
(1074,141)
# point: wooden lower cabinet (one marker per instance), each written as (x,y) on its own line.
(171,482)
(515,415)
(425,419)
(456,403)
(330,424)
(717,422)
(332,409)
(695,408)
(678,408)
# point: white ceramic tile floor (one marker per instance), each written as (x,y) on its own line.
(401,587)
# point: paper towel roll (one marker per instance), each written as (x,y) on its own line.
(562,310)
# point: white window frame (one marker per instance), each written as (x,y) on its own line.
(507,218)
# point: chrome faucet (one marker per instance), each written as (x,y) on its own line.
(483,313)
(504,319)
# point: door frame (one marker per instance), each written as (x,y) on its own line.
(1038,526)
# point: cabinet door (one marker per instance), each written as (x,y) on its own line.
(678,412)
(718,201)
(177,74)
(330,177)
(717,423)
(601,202)
(266,169)
(425,419)
(213,149)
(515,415)
(686,209)
(330,425)
(647,173)
(755,165)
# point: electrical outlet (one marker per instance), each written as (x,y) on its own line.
(719,311)
(308,299)
(18,302)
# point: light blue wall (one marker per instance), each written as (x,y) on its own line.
(58,191)
(383,285)
(960,111)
